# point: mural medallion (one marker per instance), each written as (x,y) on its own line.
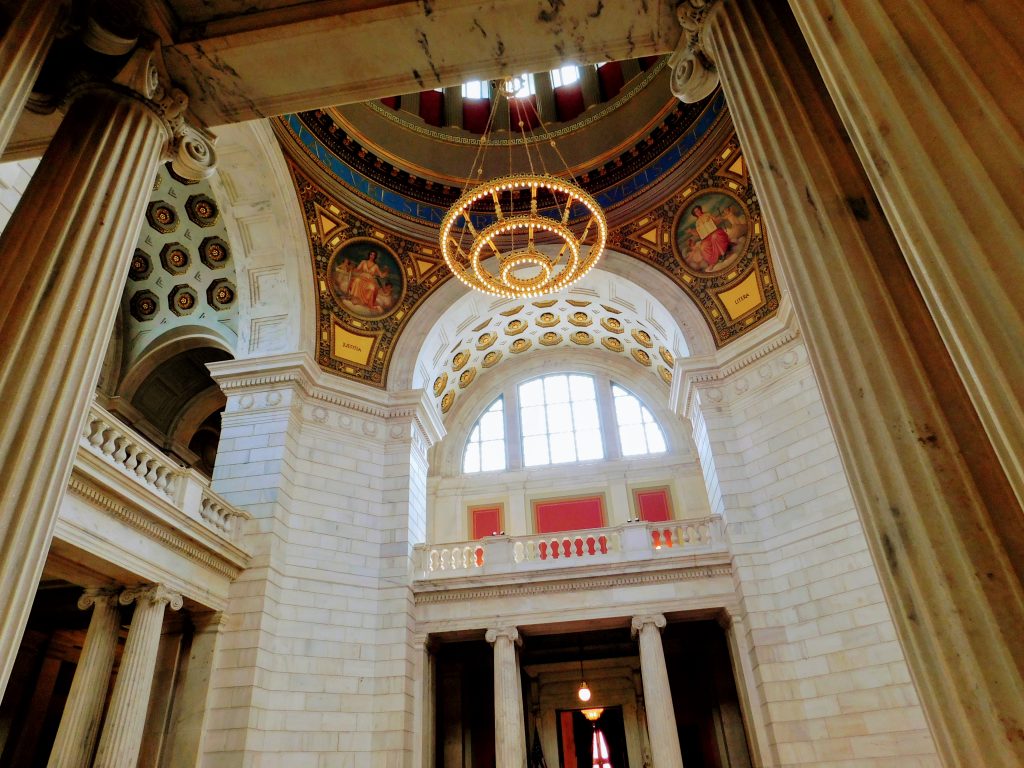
(366,278)
(711,231)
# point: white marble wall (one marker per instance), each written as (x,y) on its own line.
(315,665)
(831,677)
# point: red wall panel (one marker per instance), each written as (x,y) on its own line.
(485,521)
(558,515)
(653,506)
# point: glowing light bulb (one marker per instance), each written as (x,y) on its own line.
(584,692)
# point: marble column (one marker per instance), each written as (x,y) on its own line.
(509,724)
(80,723)
(126,715)
(661,717)
(64,257)
(930,92)
(22,50)
(928,485)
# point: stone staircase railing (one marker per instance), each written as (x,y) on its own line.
(135,458)
(631,542)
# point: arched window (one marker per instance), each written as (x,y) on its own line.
(559,420)
(485,449)
(639,433)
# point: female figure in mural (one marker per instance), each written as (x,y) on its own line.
(714,241)
(366,280)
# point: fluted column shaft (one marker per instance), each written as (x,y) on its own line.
(22,51)
(926,480)
(509,725)
(661,716)
(930,92)
(80,723)
(126,716)
(64,257)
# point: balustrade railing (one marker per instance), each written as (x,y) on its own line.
(620,544)
(135,458)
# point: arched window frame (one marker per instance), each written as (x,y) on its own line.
(476,441)
(611,440)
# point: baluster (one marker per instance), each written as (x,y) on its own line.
(142,467)
(88,431)
(668,538)
(579,546)
(517,552)
(543,547)
(591,545)
(531,550)
(154,471)
(656,538)
(467,557)
(120,450)
(602,542)
(134,455)
(567,547)
(434,560)
(680,536)
(110,444)
(705,536)
(446,560)
(479,556)
(162,474)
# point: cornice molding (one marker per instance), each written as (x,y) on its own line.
(445,592)
(154,529)
(693,372)
(300,371)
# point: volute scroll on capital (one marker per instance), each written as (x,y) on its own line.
(639,622)
(139,72)
(512,633)
(694,75)
(152,593)
(96,595)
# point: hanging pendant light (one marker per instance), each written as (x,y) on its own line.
(522,234)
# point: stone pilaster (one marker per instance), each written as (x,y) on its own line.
(80,723)
(509,725)
(424,673)
(661,717)
(22,51)
(126,715)
(64,256)
(930,93)
(903,423)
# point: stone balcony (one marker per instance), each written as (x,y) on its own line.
(114,456)
(675,543)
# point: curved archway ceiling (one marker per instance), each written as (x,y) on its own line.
(677,194)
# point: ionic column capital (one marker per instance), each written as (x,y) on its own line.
(143,77)
(512,633)
(98,595)
(655,619)
(694,74)
(151,594)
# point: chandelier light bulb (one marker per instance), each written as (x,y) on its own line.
(584,692)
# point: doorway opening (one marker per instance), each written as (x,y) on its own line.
(592,738)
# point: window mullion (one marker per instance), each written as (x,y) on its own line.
(608,422)
(513,428)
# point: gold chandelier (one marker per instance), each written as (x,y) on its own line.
(522,234)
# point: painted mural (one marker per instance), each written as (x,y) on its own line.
(712,231)
(366,279)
